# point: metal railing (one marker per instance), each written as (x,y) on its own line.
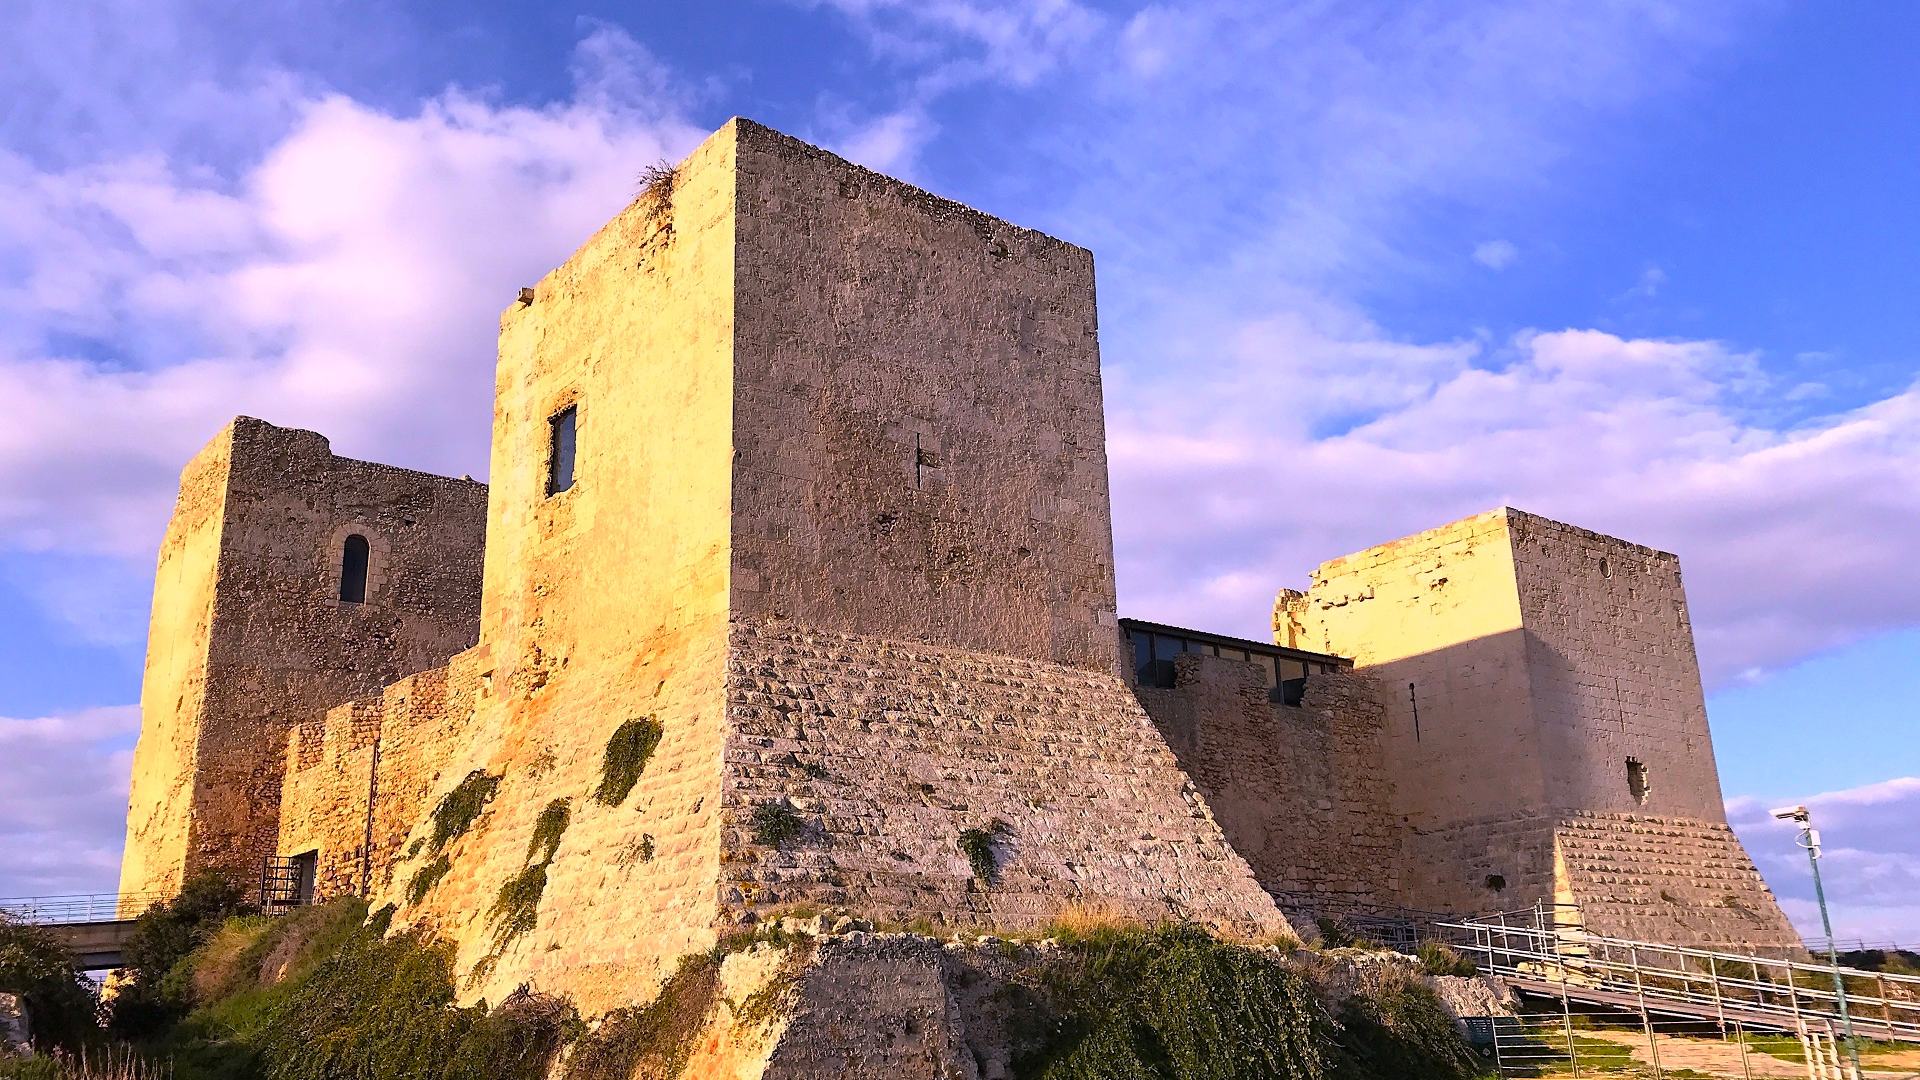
(1549,954)
(78,907)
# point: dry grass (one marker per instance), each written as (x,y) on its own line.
(1091,923)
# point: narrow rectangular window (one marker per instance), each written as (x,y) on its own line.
(560,433)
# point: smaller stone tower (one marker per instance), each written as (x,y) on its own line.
(290,580)
(1546,731)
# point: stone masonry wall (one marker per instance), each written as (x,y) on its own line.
(1302,792)
(1543,658)
(280,645)
(1669,879)
(604,603)
(419,723)
(888,750)
(1612,672)
(919,437)
(174,687)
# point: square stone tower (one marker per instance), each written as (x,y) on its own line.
(804,468)
(1546,732)
(290,580)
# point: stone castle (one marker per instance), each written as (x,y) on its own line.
(799,501)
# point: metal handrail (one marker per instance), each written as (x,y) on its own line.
(1573,961)
(77,907)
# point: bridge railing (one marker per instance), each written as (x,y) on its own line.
(1775,991)
(77,907)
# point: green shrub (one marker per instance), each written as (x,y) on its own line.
(1173,1003)
(1176,1004)
(548,829)
(978,846)
(348,1004)
(775,824)
(626,757)
(659,1035)
(1395,1027)
(460,807)
(34,965)
(1440,959)
(162,937)
(425,878)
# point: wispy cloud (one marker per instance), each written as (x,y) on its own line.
(1495,254)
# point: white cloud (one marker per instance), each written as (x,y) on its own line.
(1495,254)
(1870,861)
(63,818)
(352,273)
(1312,438)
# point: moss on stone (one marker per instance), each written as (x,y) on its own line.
(632,744)
(516,908)
(425,878)
(653,1040)
(548,829)
(459,808)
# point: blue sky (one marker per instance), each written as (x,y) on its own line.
(1364,268)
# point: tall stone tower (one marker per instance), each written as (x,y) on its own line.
(804,468)
(1546,733)
(289,580)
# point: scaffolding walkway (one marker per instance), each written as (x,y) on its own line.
(1671,992)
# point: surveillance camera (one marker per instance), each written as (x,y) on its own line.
(1791,813)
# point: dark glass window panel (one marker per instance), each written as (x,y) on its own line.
(353,570)
(560,450)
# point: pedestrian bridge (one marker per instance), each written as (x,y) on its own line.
(93,927)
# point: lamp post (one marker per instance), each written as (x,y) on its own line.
(1810,839)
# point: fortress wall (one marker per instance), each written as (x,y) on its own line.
(280,645)
(1613,676)
(888,750)
(323,803)
(918,425)
(1302,793)
(632,887)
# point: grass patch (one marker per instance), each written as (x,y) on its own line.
(460,807)
(329,998)
(775,824)
(425,878)
(656,1039)
(978,845)
(1442,960)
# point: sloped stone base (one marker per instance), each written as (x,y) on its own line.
(888,750)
